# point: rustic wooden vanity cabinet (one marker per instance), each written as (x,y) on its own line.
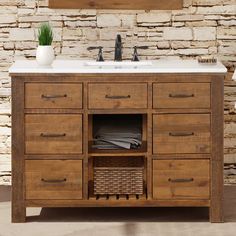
(52,135)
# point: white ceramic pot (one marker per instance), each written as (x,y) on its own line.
(45,55)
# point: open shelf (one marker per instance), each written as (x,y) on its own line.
(100,123)
(142,151)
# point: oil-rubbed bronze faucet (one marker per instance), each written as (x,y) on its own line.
(118,49)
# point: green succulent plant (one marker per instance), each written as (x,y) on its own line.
(45,35)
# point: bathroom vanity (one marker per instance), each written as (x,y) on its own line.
(54,111)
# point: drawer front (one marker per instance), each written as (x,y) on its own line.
(181,179)
(53,95)
(181,133)
(53,134)
(181,95)
(57,179)
(117,95)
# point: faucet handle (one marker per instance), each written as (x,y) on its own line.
(141,47)
(99,56)
(135,55)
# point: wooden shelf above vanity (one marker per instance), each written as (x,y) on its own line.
(118,4)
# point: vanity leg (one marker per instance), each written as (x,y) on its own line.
(18,143)
(18,213)
(217,158)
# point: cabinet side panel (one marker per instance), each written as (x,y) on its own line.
(18,201)
(217,127)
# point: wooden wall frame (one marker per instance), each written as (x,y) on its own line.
(118,4)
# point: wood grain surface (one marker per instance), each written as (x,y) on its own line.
(117,4)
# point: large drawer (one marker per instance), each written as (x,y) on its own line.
(181,133)
(117,95)
(181,95)
(53,134)
(53,95)
(57,179)
(181,179)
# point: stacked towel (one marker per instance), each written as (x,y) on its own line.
(117,134)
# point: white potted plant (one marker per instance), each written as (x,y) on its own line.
(45,53)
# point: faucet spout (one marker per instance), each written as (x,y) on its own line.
(118,49)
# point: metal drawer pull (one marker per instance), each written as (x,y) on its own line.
(176,134)
(53,96)
(52,135)
(117,97)
(181,180)
(53,180)
(181,95)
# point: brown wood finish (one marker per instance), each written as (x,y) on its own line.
(53,179)
(18,186)
(158,147)
(217,164)
(118,4)
(119,203)
(53,95)
(53,134)
(181,95)
(117,95)
(181,179)
(181,133)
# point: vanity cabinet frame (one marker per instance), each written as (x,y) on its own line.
(215,157)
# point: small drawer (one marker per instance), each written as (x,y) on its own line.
(53,134)
(181,95)
(181,133)
(58,179)
(181,179)
(117,95)
(53,95)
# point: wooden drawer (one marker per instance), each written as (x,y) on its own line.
(53,134)
(181,179)
(117,95)
(181,133)
(53,95)
(181,95)
(58,179)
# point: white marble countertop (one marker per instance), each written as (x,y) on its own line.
(79,66)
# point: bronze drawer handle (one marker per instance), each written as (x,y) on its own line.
(117,97)
(181,95)
(53,96)
(181,180)
(181,134)
(53,180)
(52,135)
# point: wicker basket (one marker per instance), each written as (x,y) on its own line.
(118,175)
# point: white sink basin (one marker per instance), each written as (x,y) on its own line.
(118,64)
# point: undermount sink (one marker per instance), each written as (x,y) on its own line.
(118,64)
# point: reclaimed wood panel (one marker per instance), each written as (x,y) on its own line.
(117,95)
(181,179)
(53,134)
(18,208)
(118,4)
(53,95)
(181,133)
(53,179)
(217,164)
(181,95)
